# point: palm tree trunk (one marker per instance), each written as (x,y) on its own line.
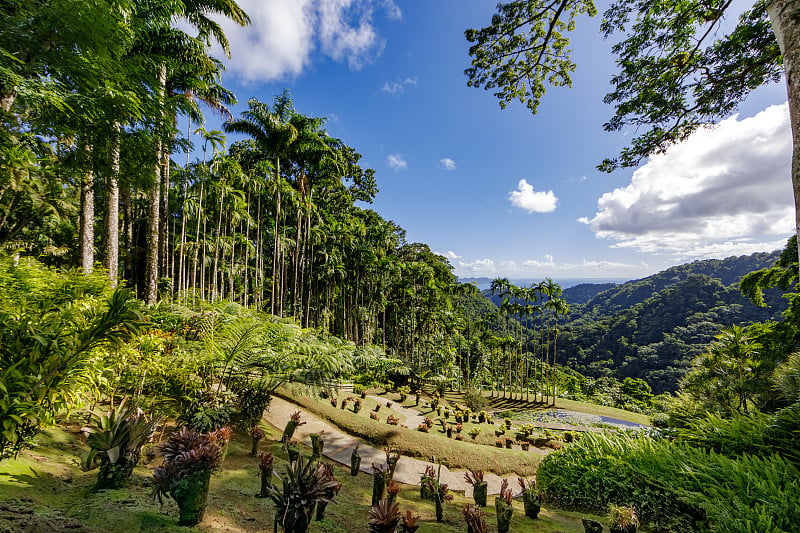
(112,210)
(87,213)
(153,215)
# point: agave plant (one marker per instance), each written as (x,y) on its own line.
(189,459)
(115,440)
(384,517)
(476,519)
(305,484)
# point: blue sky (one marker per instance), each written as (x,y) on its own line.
(450,163)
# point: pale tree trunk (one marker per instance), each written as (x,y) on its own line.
(153,211)
(7,98)
(785,18)
(87,214)
(112,211)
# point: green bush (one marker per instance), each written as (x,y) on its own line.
(476,401)
(674,486)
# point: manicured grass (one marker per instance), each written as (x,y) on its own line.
(519,403)
(47,480)
(427,446)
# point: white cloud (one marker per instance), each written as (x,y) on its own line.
(396,161)
(447,163)
(724,190)
(450,254)
(535,268)
(531,201)
(398,86)
(284,34)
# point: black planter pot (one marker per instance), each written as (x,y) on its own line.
(479,492)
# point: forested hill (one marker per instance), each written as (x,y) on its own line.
(581,294)
(652,328)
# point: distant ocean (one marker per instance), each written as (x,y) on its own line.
(566,283)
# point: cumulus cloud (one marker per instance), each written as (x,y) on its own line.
(396,161)
(447,163)
(450,254)
(531,201)
(398,86)
(284,35)
(724,190)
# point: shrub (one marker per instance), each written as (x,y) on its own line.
(474,432)
(392,420)
(476,401)
(305,485)
(423,427)
(375,416)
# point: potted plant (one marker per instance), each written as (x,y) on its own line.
(380,477)
(409,522)
(622,518)
(479,486)
(591,526)
(317,445)
(392,490)
(476,519)
(189,458)
(502,504)
(531,498)
(441,494)
(474,432)
(115,443)
(355,462)
(305,484)
(330,492)
(293,423)
(265,464)
(256,434)
(429,474)
(357,405)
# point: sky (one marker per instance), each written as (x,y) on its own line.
(504,192)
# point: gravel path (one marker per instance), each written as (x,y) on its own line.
(339,446)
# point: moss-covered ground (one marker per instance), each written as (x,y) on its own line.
(44,490)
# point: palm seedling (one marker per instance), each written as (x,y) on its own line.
(305,484)
(479,486)
(189,458)
(503,506)
(115,441)
(476,519)
(384,517)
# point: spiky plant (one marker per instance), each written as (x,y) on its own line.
(410,522)
(266,463)
(476,519)
(293,423)
(330,493)
(531,497)
(503,507)
(256,433)
(305,484)
(479,486)
(189,458)
(355,461)
(392,490)
(380,477)
(115,441)
(384,517)
(441,493)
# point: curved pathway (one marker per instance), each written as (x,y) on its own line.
(339,446)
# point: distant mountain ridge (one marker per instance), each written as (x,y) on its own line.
(653,327)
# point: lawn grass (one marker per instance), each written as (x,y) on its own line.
(48,481)
(426,446)
(519,403)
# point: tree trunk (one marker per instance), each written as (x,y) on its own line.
(786,24)
(153,212)
(112,211)
(87,214)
